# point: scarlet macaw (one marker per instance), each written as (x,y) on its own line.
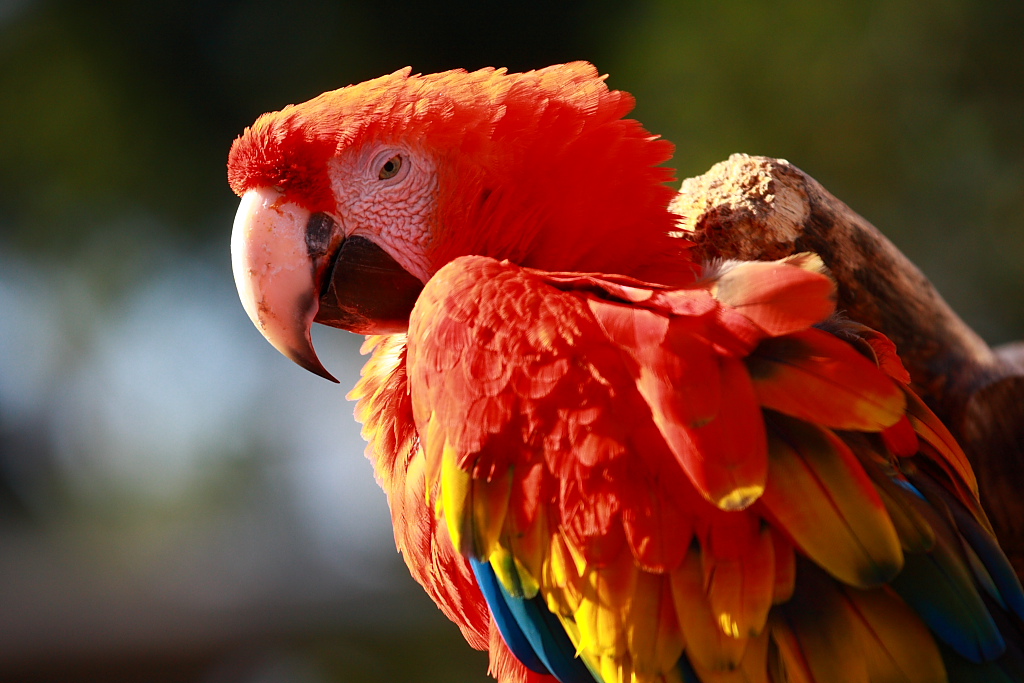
(606,462)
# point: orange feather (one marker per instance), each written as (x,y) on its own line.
(816,377)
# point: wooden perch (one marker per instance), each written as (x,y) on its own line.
(761,208)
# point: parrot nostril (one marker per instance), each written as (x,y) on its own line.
(319,229)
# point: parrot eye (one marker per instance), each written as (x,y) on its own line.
(390,168)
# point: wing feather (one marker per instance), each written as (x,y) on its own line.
(819,494)
(688,484)
(816,377)
(779,300)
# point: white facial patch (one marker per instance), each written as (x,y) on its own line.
(395,211)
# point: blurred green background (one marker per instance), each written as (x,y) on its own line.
(177,501)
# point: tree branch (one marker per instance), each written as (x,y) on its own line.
(761,208)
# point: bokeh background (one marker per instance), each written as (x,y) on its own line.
(177,501)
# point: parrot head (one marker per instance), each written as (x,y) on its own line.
(351,201)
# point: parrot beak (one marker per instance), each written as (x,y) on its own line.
(275,273)
(293,268)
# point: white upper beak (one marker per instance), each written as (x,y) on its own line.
(275,274)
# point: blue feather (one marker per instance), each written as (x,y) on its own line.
(961,670)
(904,484)
(1011,594)
(937,586)
(530,630)
(510,631)
(686,671)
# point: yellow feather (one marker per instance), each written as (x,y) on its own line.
(455,488)
(586,656)
(752,669)
(740,590)
(433,448)
(576,555)
(672,676)
(706,643)
(897,645)
(819,494)
(512,574)
(915,534)
(531,547)
(790,663)
(490,505)
(598,625)
(564,586)
(824,629)
(556,565)
(652,629)
(612,670)
(606,600)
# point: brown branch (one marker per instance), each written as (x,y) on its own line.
(760,208)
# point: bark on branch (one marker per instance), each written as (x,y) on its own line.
(761,208)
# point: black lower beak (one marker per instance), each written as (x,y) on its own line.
(366,291)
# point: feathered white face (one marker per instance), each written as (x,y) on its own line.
(388,194)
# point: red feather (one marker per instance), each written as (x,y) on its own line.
(683,467)
(622,411)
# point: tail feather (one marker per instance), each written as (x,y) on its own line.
(531,631)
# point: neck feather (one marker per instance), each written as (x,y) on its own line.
(594,200)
